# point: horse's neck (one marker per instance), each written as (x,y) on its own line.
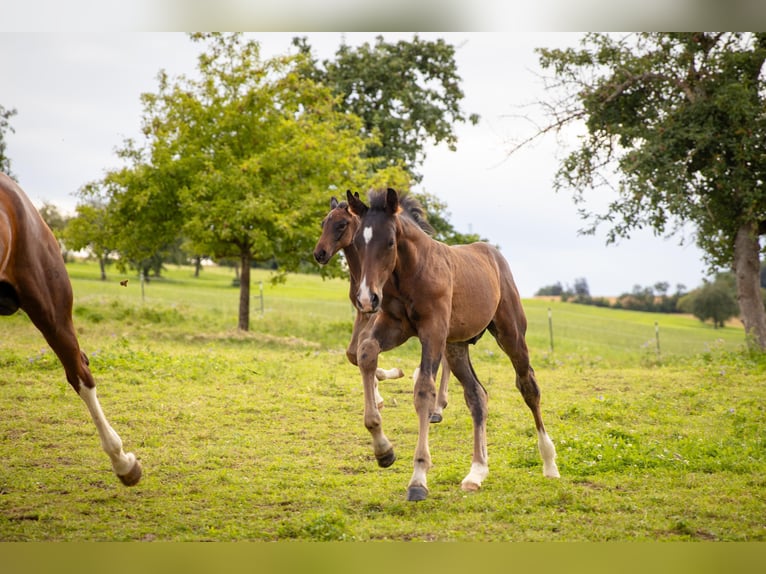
(354,264)
(416,248)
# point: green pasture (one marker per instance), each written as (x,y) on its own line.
(259,435)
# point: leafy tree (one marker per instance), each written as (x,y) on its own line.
(90,229)
(679,120)
(57,222)
(550,290)
(5,126)
(241,158)
(407,93)
(715,300)
(143,210)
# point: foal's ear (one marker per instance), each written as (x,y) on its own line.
(392,201)
(356,205)
(333,202)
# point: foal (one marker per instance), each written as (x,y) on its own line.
(33,278)
(338,230)
(450,296)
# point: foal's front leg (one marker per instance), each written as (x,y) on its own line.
(425,401)
(368,352)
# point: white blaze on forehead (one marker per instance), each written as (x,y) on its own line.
(367,234)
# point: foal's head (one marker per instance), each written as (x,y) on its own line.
(338,230)
(375,241)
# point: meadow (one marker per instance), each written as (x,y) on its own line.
(259,435)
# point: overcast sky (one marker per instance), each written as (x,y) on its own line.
(77,97)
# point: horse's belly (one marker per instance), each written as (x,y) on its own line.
(471,315)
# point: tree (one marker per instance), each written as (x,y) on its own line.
(5,126)
(56,221)
(679,120)
(243,157)
(90,229)
(407,93)
(714,300)
(554,290)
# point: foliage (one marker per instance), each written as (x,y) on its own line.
(678,119)
(406,93)
(242,158)
(57,223)
(5,126)
(715,300)
(259,435)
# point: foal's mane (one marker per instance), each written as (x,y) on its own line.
(411,208)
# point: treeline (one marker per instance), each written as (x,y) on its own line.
(714,301)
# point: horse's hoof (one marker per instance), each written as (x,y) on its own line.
(436,418)
(469,486)
(133,475)
(417,493)
(386,459)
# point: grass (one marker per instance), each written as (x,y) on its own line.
(259,435)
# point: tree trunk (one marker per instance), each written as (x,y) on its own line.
(747,269)
(244,292)
(197,265)
(102,266)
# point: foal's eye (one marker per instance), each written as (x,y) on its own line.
(390,243)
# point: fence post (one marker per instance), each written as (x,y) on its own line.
(261,289)
(657,337)
(550,327)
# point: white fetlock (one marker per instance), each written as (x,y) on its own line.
(473,481)
(548,453)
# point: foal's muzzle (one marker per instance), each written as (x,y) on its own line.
(321,256)
(368,304)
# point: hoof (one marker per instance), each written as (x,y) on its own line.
(551,472)
(417,493)
(386,459)
(469,486)
(133,475)
(436,418)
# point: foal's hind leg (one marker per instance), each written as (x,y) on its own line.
(476,399)
(508,329)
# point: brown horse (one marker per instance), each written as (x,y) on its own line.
(33,278)
(449,295)
(338,230)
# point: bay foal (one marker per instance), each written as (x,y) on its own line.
(33,278)
(449,295)
(338,229)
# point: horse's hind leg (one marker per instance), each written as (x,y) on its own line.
(476,399)
(508,330)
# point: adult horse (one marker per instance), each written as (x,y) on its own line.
(338,229)
(450,295)
(33,278)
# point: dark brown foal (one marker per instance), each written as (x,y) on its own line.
(449,296)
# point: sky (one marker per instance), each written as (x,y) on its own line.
(78,98)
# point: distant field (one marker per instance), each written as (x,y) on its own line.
(259,435)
